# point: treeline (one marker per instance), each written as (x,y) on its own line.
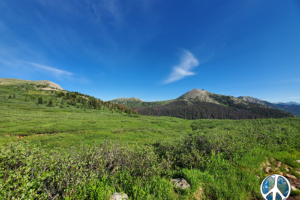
(89,102)
(206,110)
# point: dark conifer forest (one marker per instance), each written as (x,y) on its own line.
(206,110)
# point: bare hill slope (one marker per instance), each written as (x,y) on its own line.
(9,81)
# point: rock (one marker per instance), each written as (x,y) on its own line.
(279,164)
(118,196)
(291,176)
(287,169)
(180,183)
(268,169)
(298,161)
(293,188)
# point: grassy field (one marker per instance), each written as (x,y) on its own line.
(78,153)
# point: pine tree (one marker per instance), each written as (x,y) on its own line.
(50,103)
(40,100)
(9,96)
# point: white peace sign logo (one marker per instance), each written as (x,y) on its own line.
(275,189)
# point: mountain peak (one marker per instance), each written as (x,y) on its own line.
(196,95)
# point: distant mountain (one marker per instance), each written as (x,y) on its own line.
(201,104)
(125,100)
(255,100)
(135,102)
(292,107)
(49,84)
(294,103)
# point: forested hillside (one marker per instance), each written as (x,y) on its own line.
(295,109)
(35,97)
(206,110)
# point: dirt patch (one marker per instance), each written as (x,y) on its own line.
(21,136)
(38,134)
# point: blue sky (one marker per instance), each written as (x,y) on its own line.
(155,50)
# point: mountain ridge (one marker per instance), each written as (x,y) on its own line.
(10,81)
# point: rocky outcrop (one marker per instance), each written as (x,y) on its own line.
(180,183)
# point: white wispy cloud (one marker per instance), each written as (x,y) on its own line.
(188,61)
(56,72)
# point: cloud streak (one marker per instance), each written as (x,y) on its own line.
(188,61)
(56,72)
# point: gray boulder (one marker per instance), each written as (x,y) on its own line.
(181,183)
(118,196)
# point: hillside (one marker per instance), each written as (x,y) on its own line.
(47,85)
(30,96)
(135,102)
(295,109)
(258,101)
(206,110)
(201,104)
(129,102)
(291,107)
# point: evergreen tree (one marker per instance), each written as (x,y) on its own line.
(40,100)
(9,96)
(50,103)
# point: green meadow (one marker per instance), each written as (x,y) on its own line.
(68,151)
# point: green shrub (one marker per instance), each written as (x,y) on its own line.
(27,171)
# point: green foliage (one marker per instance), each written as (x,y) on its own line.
(56,155)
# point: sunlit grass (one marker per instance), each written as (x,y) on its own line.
(221,159)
